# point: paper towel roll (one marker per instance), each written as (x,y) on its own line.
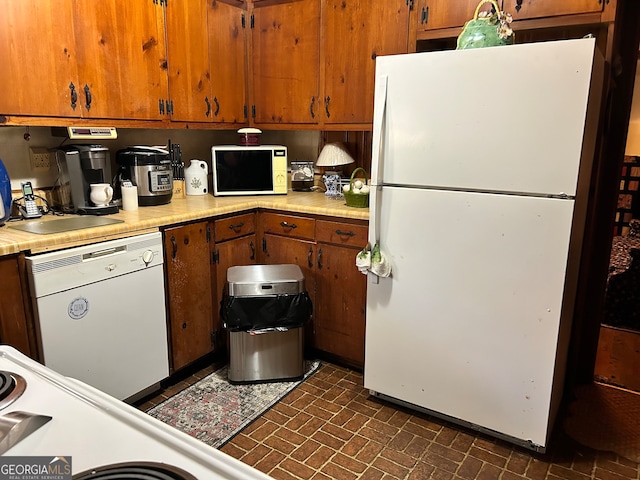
(129,197)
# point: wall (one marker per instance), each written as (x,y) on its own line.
(14,149)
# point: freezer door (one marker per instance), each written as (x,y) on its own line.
(508,118)
(468,324)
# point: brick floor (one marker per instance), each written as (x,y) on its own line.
(330,428)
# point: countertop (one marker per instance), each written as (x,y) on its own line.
(180,210)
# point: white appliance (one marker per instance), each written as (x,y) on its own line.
(481,164)
(102,434)
(249,170)
(101,313)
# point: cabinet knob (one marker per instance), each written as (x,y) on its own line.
(184,325)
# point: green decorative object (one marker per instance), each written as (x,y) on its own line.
(486,29)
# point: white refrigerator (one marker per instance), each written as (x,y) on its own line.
(480,170)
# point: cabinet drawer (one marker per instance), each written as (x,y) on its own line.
(341,233)
(289,225)
(234,227)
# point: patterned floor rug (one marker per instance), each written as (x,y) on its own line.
(213,410)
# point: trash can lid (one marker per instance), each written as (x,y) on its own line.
(254,280)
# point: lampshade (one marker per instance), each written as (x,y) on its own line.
(333,155)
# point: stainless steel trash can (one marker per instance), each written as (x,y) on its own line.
(265,308)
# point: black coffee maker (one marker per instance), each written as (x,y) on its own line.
(80,166)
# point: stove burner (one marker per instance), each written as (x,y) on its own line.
(135,471)
(12,386)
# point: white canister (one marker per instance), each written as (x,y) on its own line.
(195,178)
(129,196)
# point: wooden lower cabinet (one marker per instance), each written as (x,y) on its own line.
(16,321)
(336,287)
(198,255)
(341,291)
(277,250)
(189,294)
(234,245)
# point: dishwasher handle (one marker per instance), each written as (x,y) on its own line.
(104,253)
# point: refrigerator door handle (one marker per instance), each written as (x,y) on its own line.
(379,126)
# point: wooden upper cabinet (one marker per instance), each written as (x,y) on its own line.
(38,54)
(188,61)
(436,14)
(285,61)
(433,14)
(206,43)
(354,33)
(227,23)
(121,57)
(522,9)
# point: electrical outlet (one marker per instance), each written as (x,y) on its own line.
(40,159)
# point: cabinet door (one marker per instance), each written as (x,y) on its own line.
(38,54)
(340,290)
(188,61)
(15,329)
(433,14)
(285,61)
(121,56)
(232,253)
(187,264)
(354,32)
(521,9)
(228,60)
(279,250)
(340,307)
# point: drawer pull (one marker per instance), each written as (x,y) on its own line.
(345,234)
(236,227)
(288,225)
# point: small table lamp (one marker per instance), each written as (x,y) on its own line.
(333,157)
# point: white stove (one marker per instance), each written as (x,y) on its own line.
(97,430)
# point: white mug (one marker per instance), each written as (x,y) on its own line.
(101,194)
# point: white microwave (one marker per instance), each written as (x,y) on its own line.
(249,170)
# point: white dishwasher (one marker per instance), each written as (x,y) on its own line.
(101,313)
